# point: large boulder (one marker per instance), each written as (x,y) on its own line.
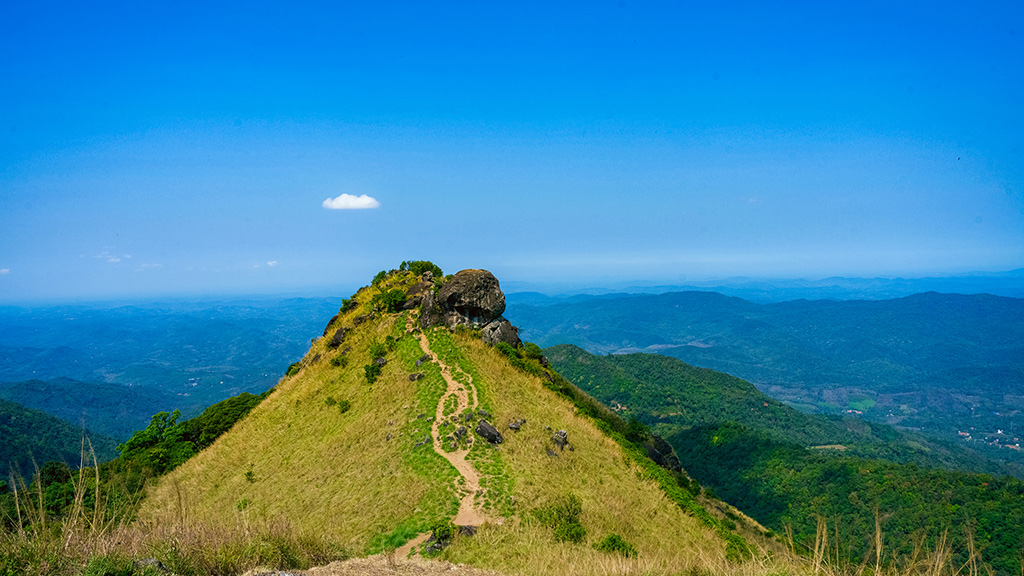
(489,432)
(471,298)
(474,294)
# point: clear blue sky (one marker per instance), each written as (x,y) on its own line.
(168,147)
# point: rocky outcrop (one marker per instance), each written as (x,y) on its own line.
(338,338)
(471,298)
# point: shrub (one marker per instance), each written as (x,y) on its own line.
(389,301)
(378,350)
(614,543)
(532,351)
(563,516)
(372,371)
(380,277)
(339,361)
(418,267)
(343,406)
(348,304)
(443,530)
(330,401)
(293,369)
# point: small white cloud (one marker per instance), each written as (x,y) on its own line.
(272,263)
(113,260)
(350,202)
(149,266)
(5,270)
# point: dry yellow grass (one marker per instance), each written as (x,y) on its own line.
(338,476)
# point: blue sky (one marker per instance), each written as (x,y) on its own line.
(179,148)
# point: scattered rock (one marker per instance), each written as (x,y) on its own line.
(329,324)
(483,413)
(418,444)
(551,453)
(338,338)
(388,439)
(415,377)
(360,319)
(428,276)
(452,446)
(381,361)
(469,417)
(516,424)
(467,530)
(488,432)
(421,416)
(560,439)
(422,360)
(460,431)
(548,428)
(430,419)
(150,563)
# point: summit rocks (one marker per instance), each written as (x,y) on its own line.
(471,298)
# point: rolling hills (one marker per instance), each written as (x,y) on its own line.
(799,472)
(940,363)
(29,438)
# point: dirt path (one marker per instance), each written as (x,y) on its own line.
(466,396)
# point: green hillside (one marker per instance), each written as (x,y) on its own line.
(109,409)
(941,363)
(29,438)
(367,453)
(795,471)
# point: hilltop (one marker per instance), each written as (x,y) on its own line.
(419,406)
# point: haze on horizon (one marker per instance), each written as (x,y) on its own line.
(195,148)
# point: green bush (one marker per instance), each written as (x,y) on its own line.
(339,361)
(614,543)
(389,301)
(344,406)
(330,401)
(372,371)
(418,267)
(293,369)
(443,530)
(348,304)
(532,351)
(379,277)
(563,516)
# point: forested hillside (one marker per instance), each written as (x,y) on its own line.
(941,363)
(29,438)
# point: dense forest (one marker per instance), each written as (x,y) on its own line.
(806,473)
(782,484)
(29,438)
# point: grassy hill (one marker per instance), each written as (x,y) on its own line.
(340,452)
(29,438)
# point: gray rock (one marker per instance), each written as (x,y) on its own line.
(150,563)
(475,294)
(381,361)
(551,453)
(388,439)
(469,417)
(360,319)
(500,330)
(421,416)
(428,276)
(460,431)
(414,295)
(560,439)
(422,359)
(516,424)
(467,530)
(338,338)
(488,432)
(483,413)
(415,377)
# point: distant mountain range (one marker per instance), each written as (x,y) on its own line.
(950,365)
(1009,284)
